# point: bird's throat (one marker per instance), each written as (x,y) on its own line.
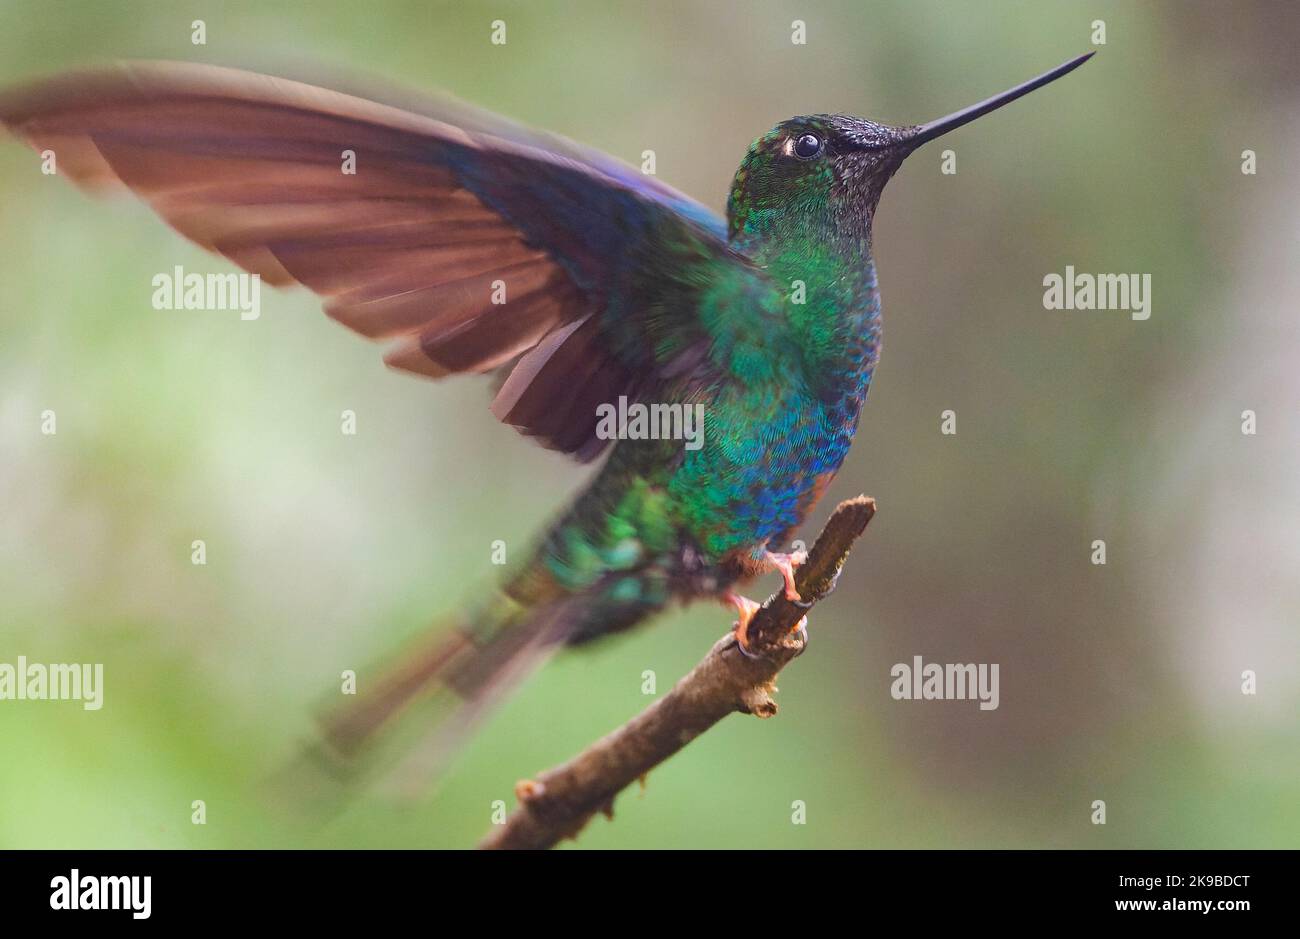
(832,302)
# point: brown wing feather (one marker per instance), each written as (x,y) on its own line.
(249,167)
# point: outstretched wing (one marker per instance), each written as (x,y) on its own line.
(603,271)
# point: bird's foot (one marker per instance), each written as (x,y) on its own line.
(745,609)
(801,628)
(786,564)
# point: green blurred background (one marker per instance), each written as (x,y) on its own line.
(1119,683)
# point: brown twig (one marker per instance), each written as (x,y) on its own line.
(562,800)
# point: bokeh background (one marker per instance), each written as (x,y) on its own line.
(1118,682)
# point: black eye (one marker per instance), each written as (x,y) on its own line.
(807,146)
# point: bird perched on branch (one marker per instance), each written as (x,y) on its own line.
(614,286)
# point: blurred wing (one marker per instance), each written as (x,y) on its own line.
(473,243)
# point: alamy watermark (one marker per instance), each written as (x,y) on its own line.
(36,681)
(637,421)
(930,681)
(231,291)
(88,892)
(1071,291)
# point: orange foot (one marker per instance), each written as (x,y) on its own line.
(786,564)
(745,608)
(801,628)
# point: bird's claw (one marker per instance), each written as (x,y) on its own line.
(786,564)
(801,628)
(745,609)
(744,651)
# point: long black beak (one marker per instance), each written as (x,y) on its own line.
(921,134)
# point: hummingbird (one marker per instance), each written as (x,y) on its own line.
(477,246)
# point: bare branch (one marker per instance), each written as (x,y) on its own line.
(562,800)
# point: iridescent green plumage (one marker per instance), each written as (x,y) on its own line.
(793,316)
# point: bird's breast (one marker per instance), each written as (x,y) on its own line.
(759,474)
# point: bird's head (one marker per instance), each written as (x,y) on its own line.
(808,170)
(832,168)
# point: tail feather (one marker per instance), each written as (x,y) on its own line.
(451,677)
(478,683)
(349,728)
(454,676)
